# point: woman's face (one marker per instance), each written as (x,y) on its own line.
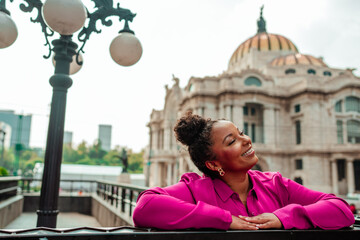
(233,149)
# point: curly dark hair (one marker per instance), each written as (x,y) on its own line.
(194,131)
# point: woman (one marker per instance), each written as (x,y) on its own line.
(230,195)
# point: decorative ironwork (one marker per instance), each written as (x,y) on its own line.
(31,4)
(104,10)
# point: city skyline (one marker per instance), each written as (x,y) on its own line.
(184,38)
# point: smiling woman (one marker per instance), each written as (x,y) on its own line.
(230,195)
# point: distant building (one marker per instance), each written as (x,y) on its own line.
(68,136)
(87,172)
(105,136)
(303,116)
(20,126)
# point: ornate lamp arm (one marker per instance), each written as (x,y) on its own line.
(31,4)
(104,10)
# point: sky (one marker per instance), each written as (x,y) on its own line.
(181,37)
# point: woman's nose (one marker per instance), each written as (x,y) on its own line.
(245,140)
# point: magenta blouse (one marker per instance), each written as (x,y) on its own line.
(202,202)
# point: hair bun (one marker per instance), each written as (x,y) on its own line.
(188,128)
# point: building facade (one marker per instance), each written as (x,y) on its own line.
(17,127)
(68,138)
(105,136)
(302,116)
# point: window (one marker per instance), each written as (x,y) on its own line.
(290,71)
(339,127)
(253,111)
(352,104)
(298,180)
(327,73)
(338,106)
(298,132)
(252,81)
(253,138)
(341,169)
(297,108)
(353,131)
(246,110)
(246,128)
(311,71)
(298,164)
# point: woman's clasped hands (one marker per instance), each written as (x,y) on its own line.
(262,221)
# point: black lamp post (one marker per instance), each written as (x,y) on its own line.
(67,17)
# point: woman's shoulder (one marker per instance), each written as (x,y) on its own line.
(264,176)
(192,177)
(194,180)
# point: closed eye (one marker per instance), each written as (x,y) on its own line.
(232,141)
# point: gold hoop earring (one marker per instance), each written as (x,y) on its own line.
(221,172)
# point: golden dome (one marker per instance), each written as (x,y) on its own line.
(295,59)
(263,42)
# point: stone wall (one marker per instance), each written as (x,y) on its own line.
(108,215)
(10,209)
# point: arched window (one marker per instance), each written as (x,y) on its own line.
(311,71)
(353,131)
(252,81)
(290,71)
(352,104)
(338,106)
(327,73)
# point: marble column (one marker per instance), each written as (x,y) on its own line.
(350,175)
(269,125)
(238,118)
(334,178)
(167,135)
(176,172)
(156,174)
(228,113)
(169,173)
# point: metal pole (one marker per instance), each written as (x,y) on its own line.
(64,49)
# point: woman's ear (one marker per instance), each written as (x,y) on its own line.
(212,165)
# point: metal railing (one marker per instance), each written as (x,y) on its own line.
(125,233)
(119,195)
(8,187)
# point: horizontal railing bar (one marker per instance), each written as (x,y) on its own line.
(124,185)
(10,189)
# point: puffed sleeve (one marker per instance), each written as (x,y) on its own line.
(305,208)
(175,208)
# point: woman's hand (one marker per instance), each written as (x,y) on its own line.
(239,223)
(263,221)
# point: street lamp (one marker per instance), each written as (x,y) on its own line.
(67,17)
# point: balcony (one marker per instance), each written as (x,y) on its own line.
(112,204)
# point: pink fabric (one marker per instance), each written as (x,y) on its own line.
(202,202)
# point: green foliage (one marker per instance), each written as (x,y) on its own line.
(3,172)
(95,155)
(136,162)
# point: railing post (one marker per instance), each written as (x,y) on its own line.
(130,202)
(123,195)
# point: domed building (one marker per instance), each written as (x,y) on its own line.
(302,116)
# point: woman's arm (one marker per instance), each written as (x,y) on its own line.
(156,208)
(306,208)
